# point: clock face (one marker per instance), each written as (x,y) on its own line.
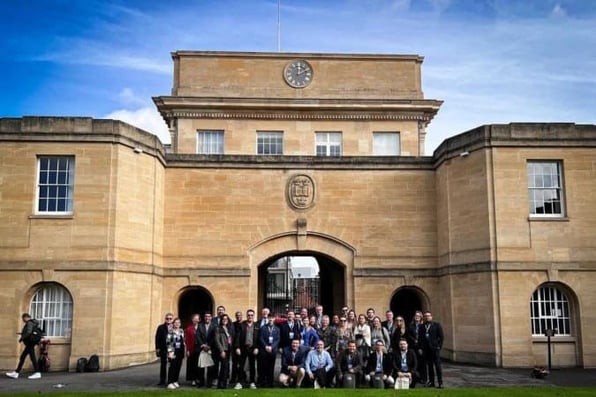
(298,74)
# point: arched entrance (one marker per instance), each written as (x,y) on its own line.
(290,281)
(405,302)
(194,300)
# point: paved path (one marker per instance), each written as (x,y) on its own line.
(146,376)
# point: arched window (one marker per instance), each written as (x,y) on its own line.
(52,306)
(549,309)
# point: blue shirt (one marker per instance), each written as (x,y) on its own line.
(316,360)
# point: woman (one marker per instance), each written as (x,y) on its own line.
(192,351)
(362,336)
(402,332)
(351,318)
(308,335)
(223,343)
(176,348)
(345,334)
(378,332)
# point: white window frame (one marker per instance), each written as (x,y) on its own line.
(55,185)
(550,309)
(270,143)
(210,142)
(328,143)
(380,146)
(52,306)
(545,183)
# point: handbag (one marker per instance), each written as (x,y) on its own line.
(402,383)
(205,359)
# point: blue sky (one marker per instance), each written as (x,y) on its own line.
(491,61)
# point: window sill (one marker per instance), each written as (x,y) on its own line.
(548,219)
(58,340)
(49,216)
(554,339)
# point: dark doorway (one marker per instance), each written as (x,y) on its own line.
(405,302)
(194,300)
(290,282)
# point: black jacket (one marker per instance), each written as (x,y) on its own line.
(161,336)
(431,336)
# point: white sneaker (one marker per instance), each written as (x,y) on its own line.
(238,386)
(13,374)
(317,386)
(36,375)
(176,384)
(252,386)
(171,386)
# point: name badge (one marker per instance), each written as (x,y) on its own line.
(271,339)
(427,335)
(291,335)
(177,345)
(349,366)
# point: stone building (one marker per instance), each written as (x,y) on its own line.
(278,157)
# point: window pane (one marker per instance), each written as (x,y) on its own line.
(386,144)
(55,184)
(328,143)
(544,188)
(52,305)
(549,309)
(270,143)
(210,142)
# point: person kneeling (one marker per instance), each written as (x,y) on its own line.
(379,367)
(319,366)
(292,364)
(405,364)
(349,366)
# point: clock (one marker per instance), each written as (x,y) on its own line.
(298,73)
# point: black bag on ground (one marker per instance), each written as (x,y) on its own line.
(81,364)
(92,364)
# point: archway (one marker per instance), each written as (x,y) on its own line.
(194,300)
(405,301)
(289,281)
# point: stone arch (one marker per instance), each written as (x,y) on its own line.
(406,299)
(193,299)
(335,259)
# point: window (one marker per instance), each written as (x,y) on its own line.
(270,142)
(52,306)
(210,142)
(55,185)
(549,309)
(328,143)
(545,188)
(386,143)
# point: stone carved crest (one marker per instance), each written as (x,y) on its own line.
(301,191)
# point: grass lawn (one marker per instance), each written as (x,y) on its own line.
(463,392)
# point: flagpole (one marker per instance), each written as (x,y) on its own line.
(278,26)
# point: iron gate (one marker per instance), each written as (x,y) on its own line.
(284,295)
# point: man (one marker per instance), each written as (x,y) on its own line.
(432,342)
(303,313)
(344,311)
(379,365)
(370,316)
(319,315)
(247,347)
(30,336)
(192,351)
(389,324)
(220,312)
(264,320)
(289,330)
(350,362)
(292,364)
(416,328)
(328,335)
(319,366)
(161,348)
(204,339)
(405,364)
(269,343)
(237,371)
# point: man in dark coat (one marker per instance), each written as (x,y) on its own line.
(161,349)
(432,342)
(30,336)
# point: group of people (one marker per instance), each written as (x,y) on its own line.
(315,349)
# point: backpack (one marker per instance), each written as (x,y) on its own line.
(81,364)
(37,334)
(92,364)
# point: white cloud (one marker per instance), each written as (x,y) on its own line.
(558,12)
(146,118)
(128,97)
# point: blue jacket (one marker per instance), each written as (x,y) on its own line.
(298,360)
(269,336)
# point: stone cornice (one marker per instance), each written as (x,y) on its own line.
(517,135)
(299,162)
(296,109)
